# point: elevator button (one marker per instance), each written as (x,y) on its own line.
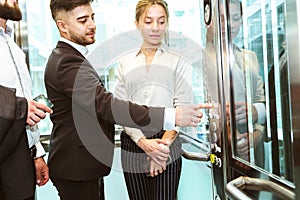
(212,158)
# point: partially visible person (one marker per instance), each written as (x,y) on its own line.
(152,75)
(82,138)
(22,164)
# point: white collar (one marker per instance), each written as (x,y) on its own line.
(161,49)
(82,49)
(7,31)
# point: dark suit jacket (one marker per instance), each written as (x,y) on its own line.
(15,160)
(11,139)
(82,139)
(7,110)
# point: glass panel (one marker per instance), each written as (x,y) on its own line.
(42,36)
(260,111)
(248,93)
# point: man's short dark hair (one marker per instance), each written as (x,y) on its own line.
(66,5)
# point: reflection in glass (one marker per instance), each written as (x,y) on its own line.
(248,92)
(260,79)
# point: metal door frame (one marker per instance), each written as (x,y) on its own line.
(232,166)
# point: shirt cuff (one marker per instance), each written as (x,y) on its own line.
(261,112)
(40,152)
(134,134)
(169,120)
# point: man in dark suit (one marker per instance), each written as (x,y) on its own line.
(82,139)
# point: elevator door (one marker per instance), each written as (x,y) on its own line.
(252,125)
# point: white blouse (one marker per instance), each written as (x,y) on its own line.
(167,82)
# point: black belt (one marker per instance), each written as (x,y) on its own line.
(33,151)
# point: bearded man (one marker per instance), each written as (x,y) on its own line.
(21,155)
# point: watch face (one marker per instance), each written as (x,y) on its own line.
(207,12)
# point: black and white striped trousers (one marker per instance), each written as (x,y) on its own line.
(142,187)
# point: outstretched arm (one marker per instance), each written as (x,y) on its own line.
(190,115)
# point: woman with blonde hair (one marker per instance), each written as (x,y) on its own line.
(152,75)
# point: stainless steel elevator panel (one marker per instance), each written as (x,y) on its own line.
(254,49)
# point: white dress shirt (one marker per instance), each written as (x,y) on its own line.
(11,57)
(167,82)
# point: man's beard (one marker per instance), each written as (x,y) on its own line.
(10,13)
(77,38)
